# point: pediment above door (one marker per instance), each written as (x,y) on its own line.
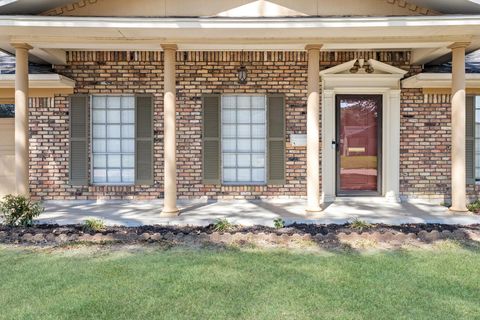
(347,75)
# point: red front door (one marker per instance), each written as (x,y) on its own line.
(358,143)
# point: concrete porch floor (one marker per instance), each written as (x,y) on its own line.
(202,212)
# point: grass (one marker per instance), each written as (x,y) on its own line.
(474,206)
(278,223)
(93,224)
(360,225)
(222,225)
(153,283)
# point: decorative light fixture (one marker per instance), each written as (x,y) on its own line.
(356,67)
(242,72)
(368,67)
(362,64)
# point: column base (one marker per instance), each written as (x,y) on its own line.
(313,210)
(392,197)
(170,212)
(458,209)
(327,198)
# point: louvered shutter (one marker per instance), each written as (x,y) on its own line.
(276,139)
(211,139)
(78,118)
(144,140)
(470,140)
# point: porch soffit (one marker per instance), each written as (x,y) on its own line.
(66,6)
(241,8)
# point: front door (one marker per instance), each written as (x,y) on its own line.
(358,144)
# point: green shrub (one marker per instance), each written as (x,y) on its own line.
(474,206)
(93,225)
(222,225)
(19,210)
(278,223)
(360,225)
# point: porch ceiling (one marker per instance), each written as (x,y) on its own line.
(428,36)
(35,6)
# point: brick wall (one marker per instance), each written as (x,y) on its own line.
(425,147)
(197,73)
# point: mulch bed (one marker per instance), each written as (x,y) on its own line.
(56,234)
(296,228)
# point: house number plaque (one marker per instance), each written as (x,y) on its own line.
(298,140)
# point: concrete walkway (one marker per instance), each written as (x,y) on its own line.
(201,212)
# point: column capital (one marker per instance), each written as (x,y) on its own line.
(21,45)
(313,47)
(169,46)
(457,45)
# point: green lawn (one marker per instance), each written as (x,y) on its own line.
(148,283)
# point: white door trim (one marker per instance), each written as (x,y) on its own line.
(343,82)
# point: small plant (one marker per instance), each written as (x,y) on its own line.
(19,210)
(360,225)
(93,225)
(474,206)
(222,225)
(278,223)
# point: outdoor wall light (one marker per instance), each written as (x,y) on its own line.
(365,65)
(242,72)
(356,67)
(368,67)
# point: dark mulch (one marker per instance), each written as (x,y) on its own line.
(312,229)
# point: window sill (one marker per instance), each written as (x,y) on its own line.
(112,184)
(243,184)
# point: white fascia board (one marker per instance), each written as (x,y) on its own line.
(48,80)
(238,23)
(439,80)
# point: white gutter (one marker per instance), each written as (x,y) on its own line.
(439,80)
(48,80)
(238,23)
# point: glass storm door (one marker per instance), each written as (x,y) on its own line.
(358,144)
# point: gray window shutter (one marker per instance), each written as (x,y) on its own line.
(144,140)
(78,166)
(211,139)
(276,139)
(470,140)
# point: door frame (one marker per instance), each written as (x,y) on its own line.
(390,136)
(378,192)
(385,80)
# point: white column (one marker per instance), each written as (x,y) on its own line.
(313,129)
(170,145)
(391,145)
(328,152)
(459,196)
(21,118)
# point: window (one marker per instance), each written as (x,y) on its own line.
(243,139)
(7,110)
(113,139)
